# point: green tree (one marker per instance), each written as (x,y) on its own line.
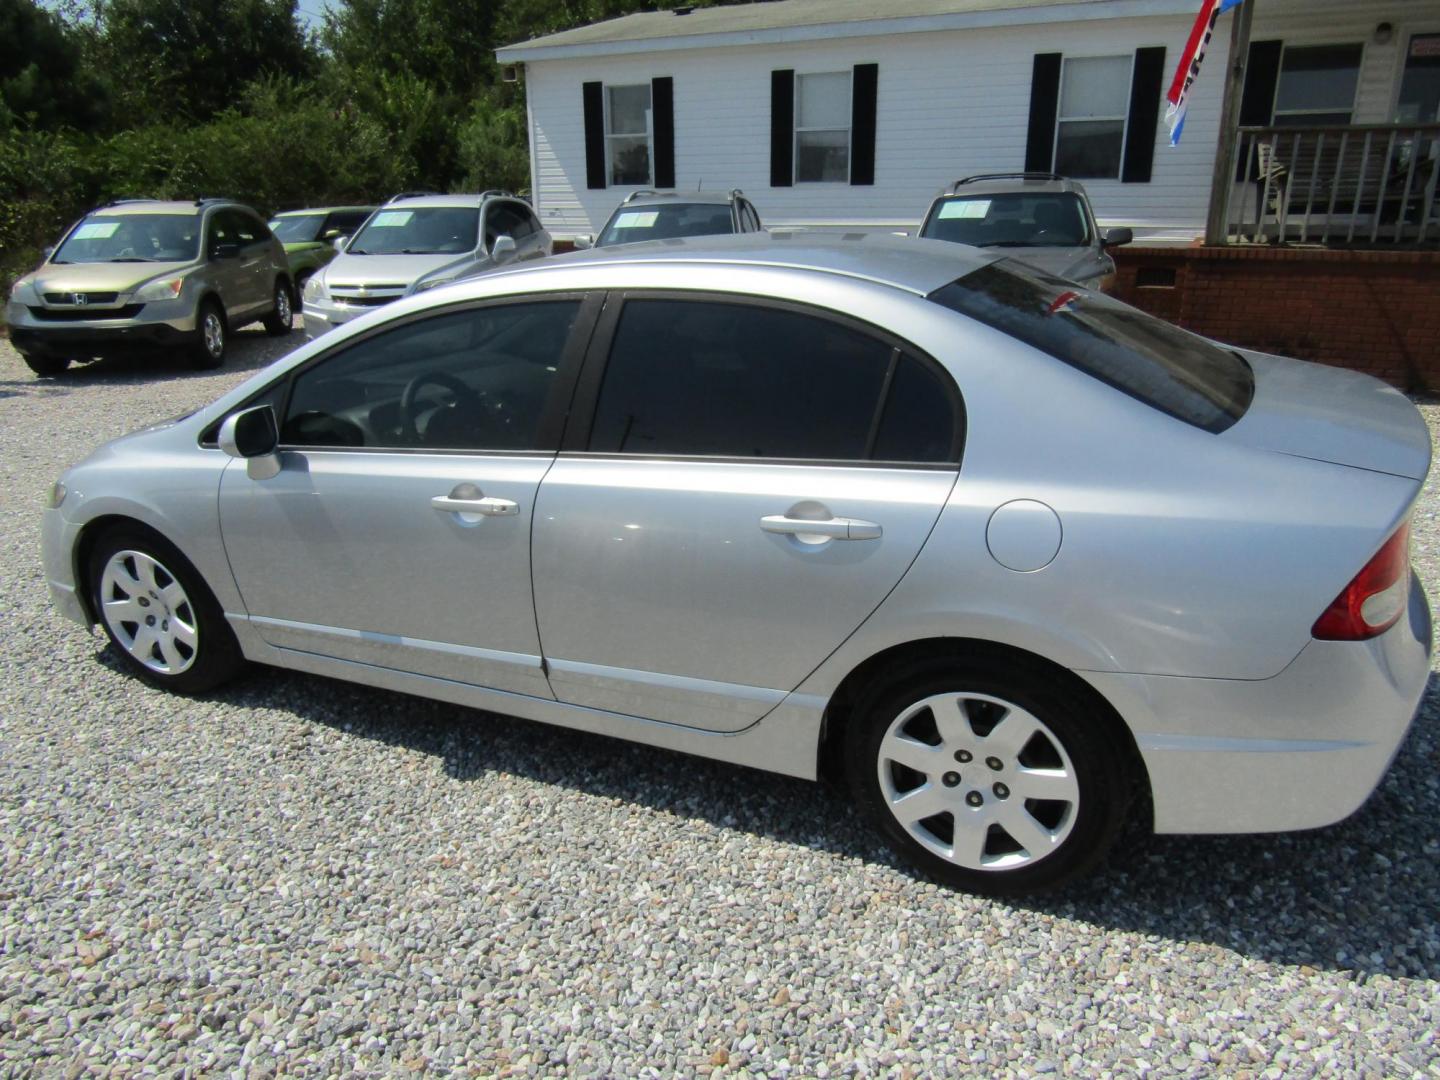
(43,82)
(177,60)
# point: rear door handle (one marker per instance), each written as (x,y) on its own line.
(836,528)
(490,507)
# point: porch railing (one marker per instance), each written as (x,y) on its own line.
(1359,186)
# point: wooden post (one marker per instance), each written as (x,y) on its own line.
(1217,221)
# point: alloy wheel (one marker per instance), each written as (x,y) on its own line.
(213,331)
(146,609)
(978,781)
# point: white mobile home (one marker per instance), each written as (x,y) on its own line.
(853,113)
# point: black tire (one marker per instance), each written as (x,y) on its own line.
(209,658)
(45,366)
(1073,726)
(211,339)
(282,316)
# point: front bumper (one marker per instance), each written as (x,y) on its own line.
(1297,751)
(158,324)
(321,316)
(57,546)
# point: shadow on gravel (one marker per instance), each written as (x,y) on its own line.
(1359,896)
(249,350)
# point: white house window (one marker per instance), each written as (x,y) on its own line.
(1317,84)
(1090,122)
(627,134)
(822,127)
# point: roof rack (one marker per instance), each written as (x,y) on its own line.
(409,195)
(1004,176)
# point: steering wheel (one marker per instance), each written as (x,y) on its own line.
(410,405)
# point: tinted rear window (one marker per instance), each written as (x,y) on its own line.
(1167,368)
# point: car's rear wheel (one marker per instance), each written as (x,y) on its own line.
(163,621)
(47,366)
(996,779)
(211,336)
(282,314)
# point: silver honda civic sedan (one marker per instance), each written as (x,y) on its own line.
(1008,559)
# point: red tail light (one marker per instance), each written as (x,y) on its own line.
(1376,597)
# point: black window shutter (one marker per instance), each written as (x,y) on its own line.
(1262,72)
(865,84)
(782,128)
(1143,116)
(1257,100)
(594,135)
(1044,102)
(662,117)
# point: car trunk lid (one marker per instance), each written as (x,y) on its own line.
(1330,414)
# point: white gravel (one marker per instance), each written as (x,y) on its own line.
(301,876)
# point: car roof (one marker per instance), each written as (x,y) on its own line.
(1003,183)
(310,210)
(436,200)
(159,206)
(913,265)
(640,198)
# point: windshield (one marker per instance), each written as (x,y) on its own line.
(425,230)
(132,238)
(1013,220)
(297,229)
(1167,368)
(666,221)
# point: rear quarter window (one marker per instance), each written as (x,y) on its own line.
(1169,369)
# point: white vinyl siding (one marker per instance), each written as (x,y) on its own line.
(950,103)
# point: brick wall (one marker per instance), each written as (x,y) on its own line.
(1375,311)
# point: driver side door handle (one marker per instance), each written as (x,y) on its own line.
(835,528)
(488,506)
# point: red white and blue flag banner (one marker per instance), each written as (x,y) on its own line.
(1191,58)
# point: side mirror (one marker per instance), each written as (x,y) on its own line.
(47,252)
(585,242)
(340,242)
(224,251)
(1116,237)
(331,234)
(252,436)
(502,248)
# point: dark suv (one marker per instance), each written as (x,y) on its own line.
(663,215)
(1043,219)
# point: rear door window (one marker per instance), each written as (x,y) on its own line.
(1169,369)
(737,380)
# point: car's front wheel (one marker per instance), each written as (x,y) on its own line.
(995,778)
(211,336)
(164,622)
(47,366)
(282,313)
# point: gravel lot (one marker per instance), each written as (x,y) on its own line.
(301,876)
